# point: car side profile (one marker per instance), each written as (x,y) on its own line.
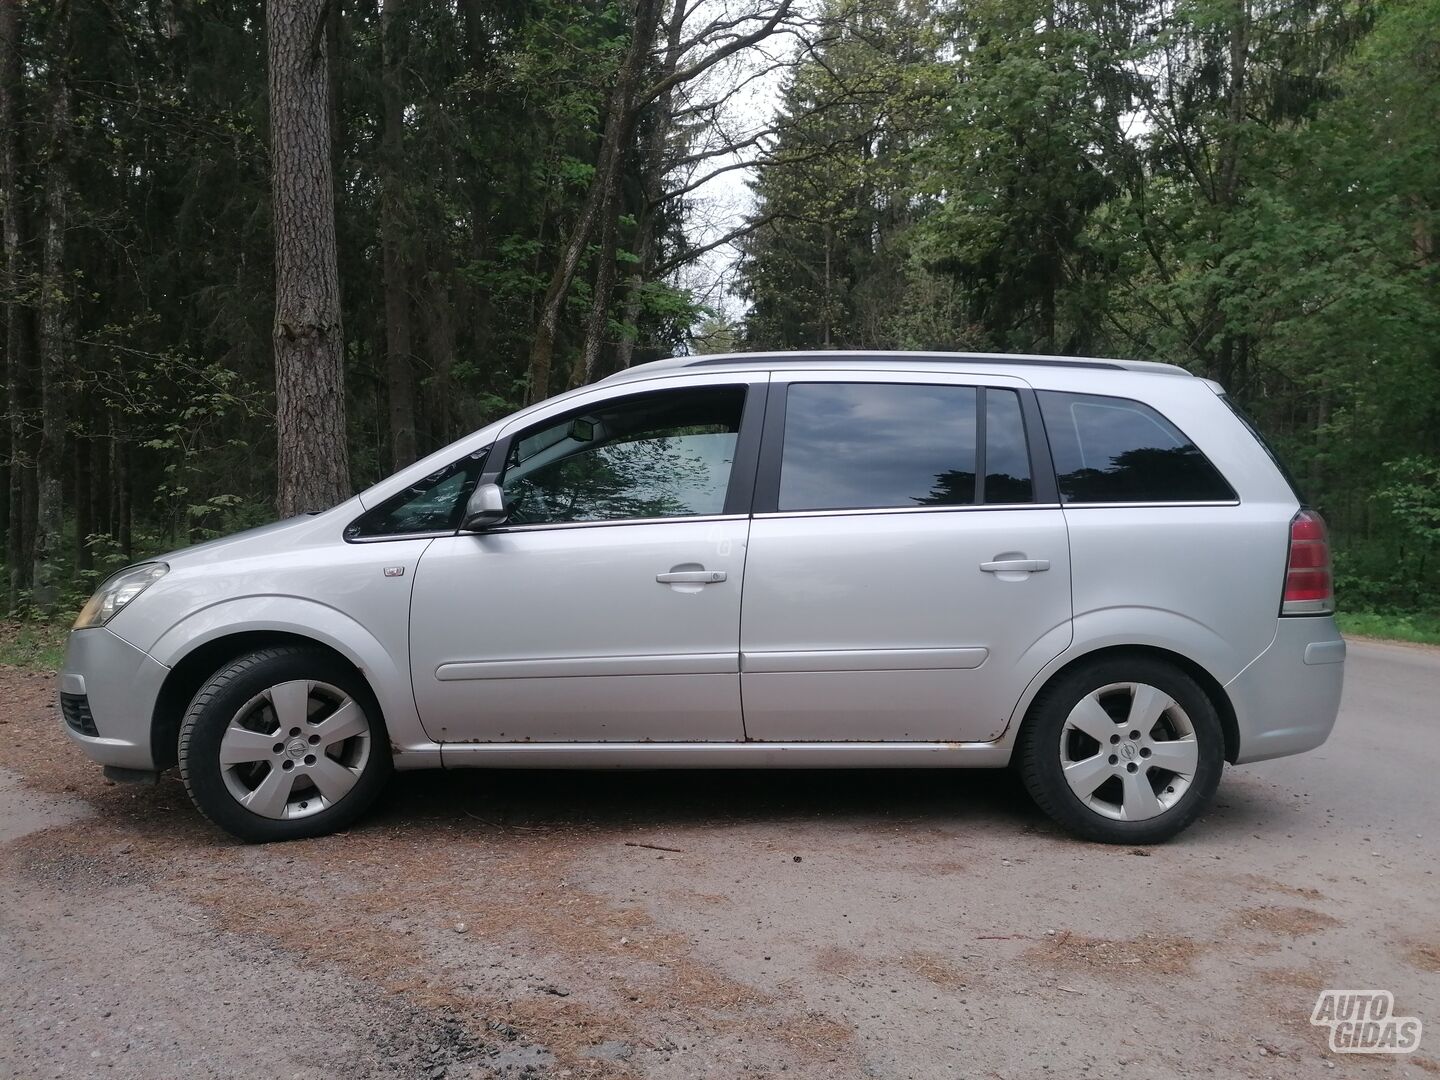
(1093,570)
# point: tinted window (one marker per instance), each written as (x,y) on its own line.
(434,504)
(1116,450)
(861,445)
(652,456)
(1007,456)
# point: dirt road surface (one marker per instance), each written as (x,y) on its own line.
(810,925)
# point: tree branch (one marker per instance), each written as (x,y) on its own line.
(705,63)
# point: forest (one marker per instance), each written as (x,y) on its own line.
(258,255)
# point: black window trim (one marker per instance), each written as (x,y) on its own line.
(738,493)
(1045,487)
(1044,490)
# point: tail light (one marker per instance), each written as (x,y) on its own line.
(1309,587)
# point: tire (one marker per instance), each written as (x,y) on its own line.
(1101,794)
(256,754)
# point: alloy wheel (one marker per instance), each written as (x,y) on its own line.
(295,749)
(1129,751)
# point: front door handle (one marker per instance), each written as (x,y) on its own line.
(692,577)
(1016,566)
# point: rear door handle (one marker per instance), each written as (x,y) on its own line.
(694,577)
(1016,566)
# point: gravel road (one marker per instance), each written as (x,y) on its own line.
(812,925)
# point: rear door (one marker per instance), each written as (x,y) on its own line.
(908,570)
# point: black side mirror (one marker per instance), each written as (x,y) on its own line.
(486,509)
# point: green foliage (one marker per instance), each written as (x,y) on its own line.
(1251,191)
(169,252)
(1248,189)
(1376,575)
(1412,497)
(32,645)
(1422,627)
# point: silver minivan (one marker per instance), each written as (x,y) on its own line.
(1093,570)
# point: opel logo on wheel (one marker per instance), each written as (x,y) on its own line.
(1128,751)
(297,748)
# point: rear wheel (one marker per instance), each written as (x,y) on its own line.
(1127,750)
(282,744)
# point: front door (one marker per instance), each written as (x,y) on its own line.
(608,607)
(907,574)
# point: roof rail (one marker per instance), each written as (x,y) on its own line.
(863,356)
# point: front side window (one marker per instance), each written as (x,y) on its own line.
(432,505)
(658,455)
(877,445)
(1112,450)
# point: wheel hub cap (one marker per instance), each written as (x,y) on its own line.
(1129,751)
(294,749)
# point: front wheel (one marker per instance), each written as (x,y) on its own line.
(282,744)
(1124,751)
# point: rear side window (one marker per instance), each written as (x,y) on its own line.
(1113,450)
(851,446)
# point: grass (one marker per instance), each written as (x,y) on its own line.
(38,646)
(1422,626)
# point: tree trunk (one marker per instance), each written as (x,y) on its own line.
(1217,341)
(1229,180)
(99,481)
(17,316)
(399,363)
(440,343)
(825,307)
(634,290)
(542,350)
(599,318)
(54,319)
(84,526)
(120,462)
(313,461)
(619,120)
(651,181)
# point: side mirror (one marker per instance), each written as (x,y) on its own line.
(486,509)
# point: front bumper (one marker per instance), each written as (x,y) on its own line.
(1286,701)
(120,684)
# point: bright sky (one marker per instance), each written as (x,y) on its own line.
(750,85)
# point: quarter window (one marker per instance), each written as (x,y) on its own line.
(1110,450)
(661,455)
(875,445)
(434,504)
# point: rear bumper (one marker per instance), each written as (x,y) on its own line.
(120,683)
(1287,699)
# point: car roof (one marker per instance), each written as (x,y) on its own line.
(881,360)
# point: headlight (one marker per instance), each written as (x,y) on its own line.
(117,592)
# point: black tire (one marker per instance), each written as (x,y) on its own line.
(1040,750)
(227,692)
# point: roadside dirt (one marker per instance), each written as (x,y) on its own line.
(815,925)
